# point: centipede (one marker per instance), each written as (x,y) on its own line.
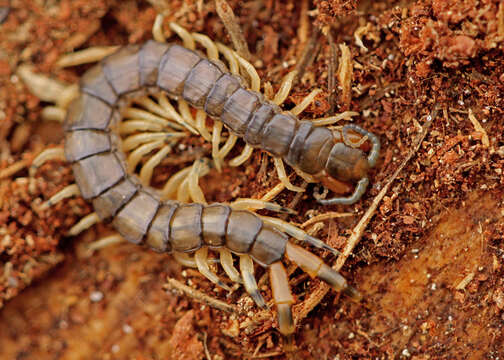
(143,215)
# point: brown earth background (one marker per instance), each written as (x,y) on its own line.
(430,263)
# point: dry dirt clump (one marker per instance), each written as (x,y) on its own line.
(329,11)
(453,32)
(30,236)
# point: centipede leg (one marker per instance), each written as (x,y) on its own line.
(315,267)
(65,193)
(173,184)
(136,155)
(201,125)
(226,260)
(84,224)
(331,120)
(148,168)
(255,80)
(283,176)
(133,126)
(247,271)
(234,67)
(106,242)
(216,138)
(298,234)
(360,189)
(235,61)
(273,193)
(157,29)
(228,146)
(201,258)
(299,108)
(258,204)
(285,88)
(199,168)
(47,89)
(53,113)
(154,113)
(185,112)
(85,56)
(244,156)
(165,103)
(185,35)
(45,156)
(134,141)
(210,46)
(283,300)
(184,259)
(306,177)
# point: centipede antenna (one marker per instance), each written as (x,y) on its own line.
(360,189)
(375,141)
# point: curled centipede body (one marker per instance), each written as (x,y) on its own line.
(142,216)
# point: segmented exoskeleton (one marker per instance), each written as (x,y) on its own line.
(138,212)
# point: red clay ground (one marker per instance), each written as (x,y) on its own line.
(430,263)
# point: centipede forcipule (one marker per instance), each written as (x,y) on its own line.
(137,211)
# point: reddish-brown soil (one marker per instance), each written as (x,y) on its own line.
(430,263)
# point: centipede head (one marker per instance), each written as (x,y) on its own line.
(346,163)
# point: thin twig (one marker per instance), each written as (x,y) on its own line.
(303,309)
(345,75)
(201,297)
(309,53)
(479,128)
(205,346)
(229,20)
(304,25)
(323,217)
(331,73)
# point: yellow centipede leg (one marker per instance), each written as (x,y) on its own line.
(247,271)
(226,260)
(148,168)
(44,156)
(283,176)
(201,258)
(285,87)
(84,224)
(66,192)
(244,156)
(216,138)
(299,108)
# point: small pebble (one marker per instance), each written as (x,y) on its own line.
(96,296)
